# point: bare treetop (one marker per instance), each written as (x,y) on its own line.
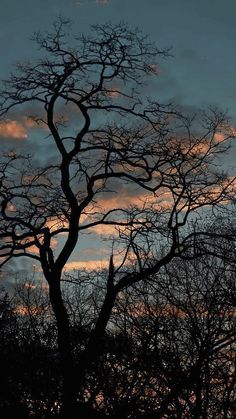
(86,73)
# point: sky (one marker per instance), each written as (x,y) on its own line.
(202,33)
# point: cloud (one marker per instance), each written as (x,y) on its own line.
(94,252)
(13,129)
(34,249)
(124,199)
(56,223)
(113,93)
(221,136)
(165,310)
(33,310)
(30,122)
(87,265)
(18,128)
(94,264)
(104,230)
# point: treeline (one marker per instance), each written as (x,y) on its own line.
(168,352)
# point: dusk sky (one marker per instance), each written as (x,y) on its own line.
(201,33)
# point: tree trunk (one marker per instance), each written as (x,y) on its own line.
(65,350)
(198,394)
(95,344)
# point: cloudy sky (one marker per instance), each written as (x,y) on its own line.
(201,33)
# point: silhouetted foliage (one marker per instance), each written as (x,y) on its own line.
(169,348)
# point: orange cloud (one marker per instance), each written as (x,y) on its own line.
(56,223)
(104,230)
(87,265)
(92,264)
(13,129)
(34,249)
(122,200)
(219,136)
(28,311)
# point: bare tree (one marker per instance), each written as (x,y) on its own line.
(87,93)
(174,354)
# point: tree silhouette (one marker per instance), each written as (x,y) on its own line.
(168,349)
(87,93)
